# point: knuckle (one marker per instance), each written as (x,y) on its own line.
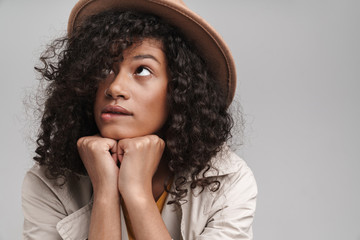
(92,145)
(154,138)
(81,142)
(147,140)
(139,144)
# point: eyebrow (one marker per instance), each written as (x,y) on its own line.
(144,56)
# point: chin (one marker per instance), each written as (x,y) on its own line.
(116,135)
(107,133)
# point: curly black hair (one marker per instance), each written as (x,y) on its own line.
(198,123)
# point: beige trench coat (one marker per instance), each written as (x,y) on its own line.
(52,212)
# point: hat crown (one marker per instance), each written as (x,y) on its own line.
(206,39)
(181,2)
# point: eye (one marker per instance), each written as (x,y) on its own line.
(142,71)
(107,71)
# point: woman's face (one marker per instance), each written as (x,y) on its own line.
(131,101)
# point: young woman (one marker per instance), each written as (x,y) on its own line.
(132,143)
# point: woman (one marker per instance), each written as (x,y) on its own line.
(132,138)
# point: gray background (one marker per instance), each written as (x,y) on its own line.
(298,63)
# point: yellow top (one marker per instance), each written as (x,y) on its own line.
(160,204)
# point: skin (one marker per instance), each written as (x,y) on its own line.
(139,85)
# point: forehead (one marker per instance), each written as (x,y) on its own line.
(145,45)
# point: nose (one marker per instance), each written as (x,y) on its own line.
(118,88)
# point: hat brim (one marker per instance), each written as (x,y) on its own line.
(210,44)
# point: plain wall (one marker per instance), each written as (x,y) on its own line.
(298,64)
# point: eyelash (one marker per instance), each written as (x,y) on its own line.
(109,71)
(142,68)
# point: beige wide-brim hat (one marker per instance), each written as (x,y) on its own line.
(210,44)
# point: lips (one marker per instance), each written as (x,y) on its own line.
(115,110)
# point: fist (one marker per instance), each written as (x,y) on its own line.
(99,157)
(139,159)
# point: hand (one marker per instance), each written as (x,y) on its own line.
(99,157)
(139,159)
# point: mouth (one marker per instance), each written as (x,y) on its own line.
(113,111)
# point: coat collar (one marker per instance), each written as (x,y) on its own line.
(222,164)
(176,217)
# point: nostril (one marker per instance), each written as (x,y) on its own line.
(109,93)
(106,92)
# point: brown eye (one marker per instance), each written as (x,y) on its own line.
(142,71)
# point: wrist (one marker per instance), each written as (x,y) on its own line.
(137,196)
(106,194)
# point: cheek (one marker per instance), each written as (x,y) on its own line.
(156,105)
(101,89)
(99,98)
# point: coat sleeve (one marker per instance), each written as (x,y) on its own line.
(41,207)
(232,214)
